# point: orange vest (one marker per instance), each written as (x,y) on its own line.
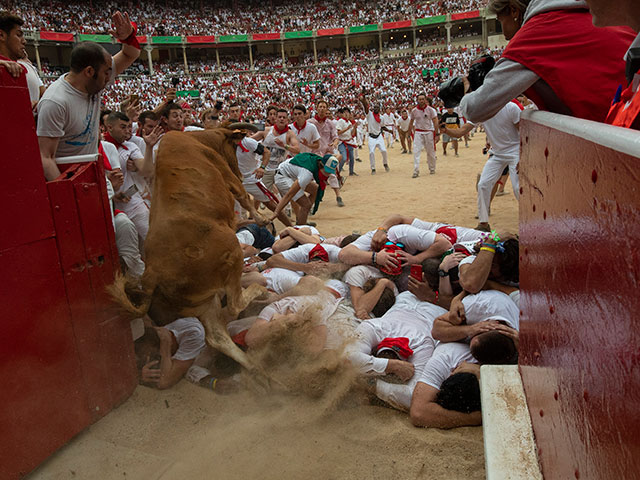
(625,111)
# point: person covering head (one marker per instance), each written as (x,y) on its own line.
(399,346)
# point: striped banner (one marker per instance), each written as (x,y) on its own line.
(56,37)
(431,20)
(364,28)
(300,34)
(233,38)
(463,15)
(391,25)
(84,37)
(330,31)
(201,38)
(266,36)
(171,39)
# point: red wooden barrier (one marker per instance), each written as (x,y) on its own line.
(65,360)
(580,273)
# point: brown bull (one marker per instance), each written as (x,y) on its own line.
(193,259)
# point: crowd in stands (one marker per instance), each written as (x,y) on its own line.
(392,82)
(200,17)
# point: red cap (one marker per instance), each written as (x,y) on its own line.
(400,345)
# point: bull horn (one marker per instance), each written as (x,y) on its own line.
(242,126)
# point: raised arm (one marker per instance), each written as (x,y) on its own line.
(123,30)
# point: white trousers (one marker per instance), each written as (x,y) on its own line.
(424,141)
(127,243)
(373,144)
(138,211)
(491,173)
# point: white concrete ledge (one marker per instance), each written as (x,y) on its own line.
(509,446)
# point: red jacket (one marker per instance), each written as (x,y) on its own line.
(581,63)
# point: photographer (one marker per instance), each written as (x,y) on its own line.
(554,56)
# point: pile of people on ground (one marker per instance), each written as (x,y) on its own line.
(155,17)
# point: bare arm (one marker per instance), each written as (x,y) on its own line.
(459,132)
(284,201)
(473,276)
(171,370)
(363,303)
(48,147)
(292,145)
(380,237)
(425,412)
(289,236)
(122,29)
(365,104)
(352,255)
(279,261)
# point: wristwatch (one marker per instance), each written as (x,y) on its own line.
(442,273)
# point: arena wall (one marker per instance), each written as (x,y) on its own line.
(580,271)
(66,358)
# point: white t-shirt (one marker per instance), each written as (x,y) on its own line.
(301,254)
(341,125)
(360,274)
(374,127)
(280,280)
(294,172)
(139,142)
(404,124)
(248,161)
(491,305)
(189,334)
(388,120)
(414,239)
(308,132)
(33,80)
(502,133)
(446,357)
(278,154)
(71,116)
(130,178)
(464,234)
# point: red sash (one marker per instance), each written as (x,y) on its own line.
(105,159)
(110,139)
(450,233)
(376,116)
(245,150)
(565,50)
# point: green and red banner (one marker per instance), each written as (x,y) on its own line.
(431,20)
(463,15)
(233,38)
(266,36)
(201,38)
(393,25)
(325,32)
(84,37)
(55,36)
(167,39)
(299,34)
(364,28)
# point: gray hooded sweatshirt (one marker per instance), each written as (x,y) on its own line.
(508,79)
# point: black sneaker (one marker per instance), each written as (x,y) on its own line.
(339,201)
(373,171)
(386,168)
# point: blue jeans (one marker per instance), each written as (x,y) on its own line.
(347,152)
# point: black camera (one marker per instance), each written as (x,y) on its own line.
(452,91)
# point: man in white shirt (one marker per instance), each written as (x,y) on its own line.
(403,130)
(492,324)
(389,122)
(375,129)
(177,344)
(68,113)
(503,135)
(128,198)
(410,319)
(425,409)
(426,131)
(347,146)
(305,131)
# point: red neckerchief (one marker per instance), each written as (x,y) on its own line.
(400,345)
(110,139)
(376,116)
(280,132)
(299,129)
(319,252)
(318,119)
(245,150)
(105,159)
(423,109)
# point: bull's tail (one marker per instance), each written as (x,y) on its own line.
(131,295)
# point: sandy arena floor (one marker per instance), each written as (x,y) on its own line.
(191,433)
